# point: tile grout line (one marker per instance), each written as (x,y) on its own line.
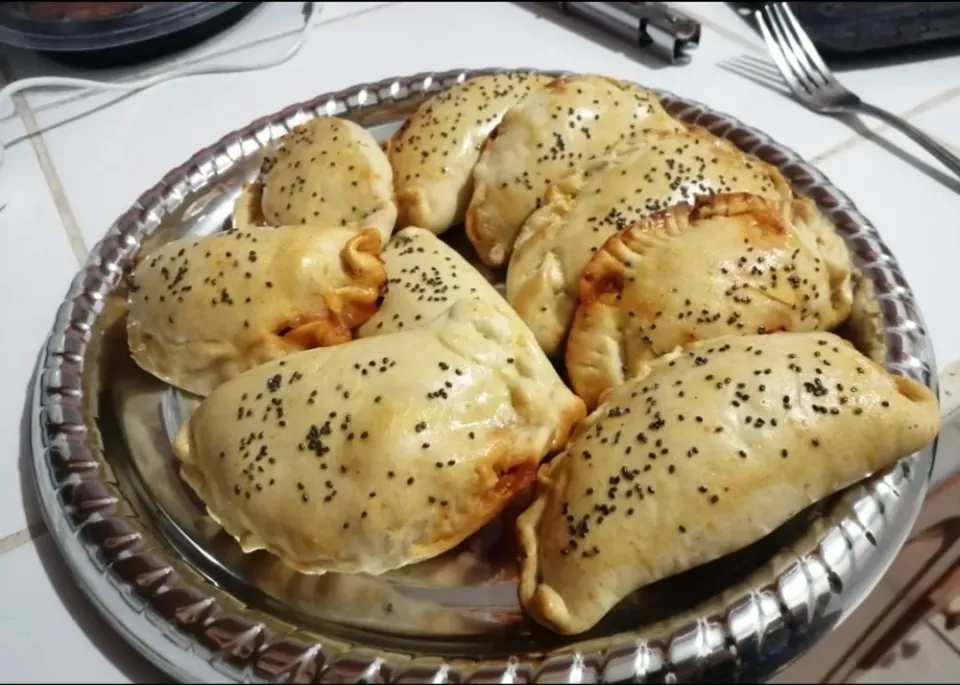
(855,138)
(191,62)
(943,638)
(67,219)
(21,537)
(924,106)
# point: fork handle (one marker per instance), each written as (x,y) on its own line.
(950,160)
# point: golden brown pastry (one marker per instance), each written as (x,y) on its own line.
(383,452)
(729,264)
(707,451)
(326,172)
(204,310)
(548,135)
(587,207)
(425,276)
(434,152)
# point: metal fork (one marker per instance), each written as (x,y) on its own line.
(817,88)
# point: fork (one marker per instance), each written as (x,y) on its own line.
(817,88)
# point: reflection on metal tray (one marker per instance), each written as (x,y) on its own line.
(169,581)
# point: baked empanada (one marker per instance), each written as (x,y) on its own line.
(366,457)
(326,172)
(548,135)
(587,207)
(434,152)
(204,310)
(727,265)
(710,449)
(425,276)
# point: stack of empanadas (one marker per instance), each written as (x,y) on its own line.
(372,400)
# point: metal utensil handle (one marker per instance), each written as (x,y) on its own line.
(950,160)
(651,25)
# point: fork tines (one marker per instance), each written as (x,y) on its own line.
(792,50)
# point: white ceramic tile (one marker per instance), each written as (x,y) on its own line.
(49,631)
(948,451)
(950,387)
(36,265)
(922,657)
(915,209)
(275,22)
(107,158)
(938,623)
(941,121)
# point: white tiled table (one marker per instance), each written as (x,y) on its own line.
(79,159)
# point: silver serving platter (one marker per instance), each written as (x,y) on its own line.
(177,589)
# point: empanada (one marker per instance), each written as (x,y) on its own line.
(204,310)
(366,457)
(548,135)
(425,276)
(729,264)
(587,207)
(706,452)
(326,172)
(434,152)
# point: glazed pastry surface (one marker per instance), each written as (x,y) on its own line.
(425,276)
(204,310)
(710,449)
(434,152)
(547,136)
(584,209)
(730,264)
(326,172)
(370,456)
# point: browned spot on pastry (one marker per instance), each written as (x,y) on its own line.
(766,226)
(514,479)
(596,286)
(407,201)
(319,329)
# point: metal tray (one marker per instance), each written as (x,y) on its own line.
(184,595)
